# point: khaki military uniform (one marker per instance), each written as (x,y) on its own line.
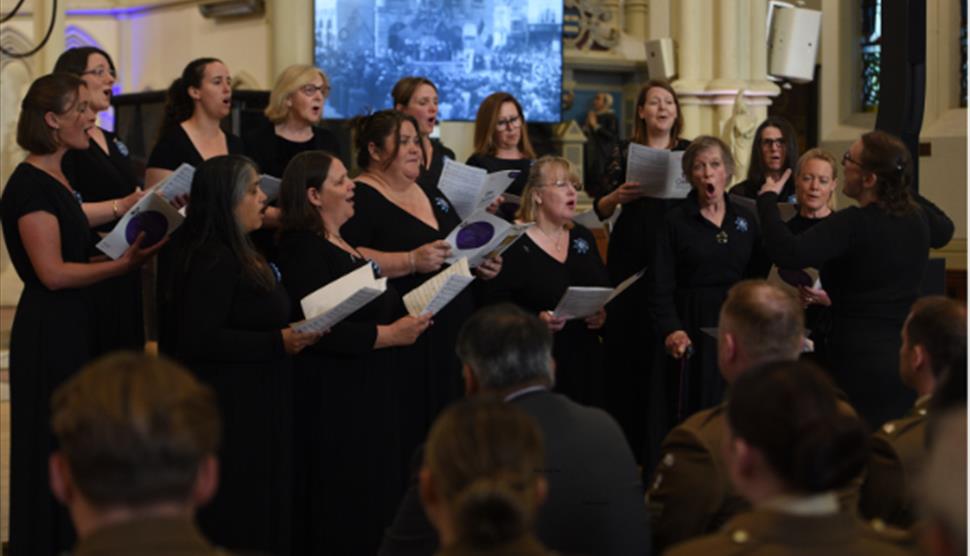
(690,494)
(765,532)
(148,537)
(898,452)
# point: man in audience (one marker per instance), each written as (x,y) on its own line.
(594,500)
(934,341)
(690,494)
(138,438)
(943,486)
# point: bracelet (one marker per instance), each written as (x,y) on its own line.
(411,261)
(114,208)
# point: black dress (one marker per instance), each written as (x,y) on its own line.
(494,164)
(695,264)
(228,334)
(871,264)
(630,339)
(430,175)
(534,280)
(272,153)
(52,336)
(818,318)
(100,176)
(434,376)
(346,411)
(175,147)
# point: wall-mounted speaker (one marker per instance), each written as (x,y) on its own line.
(793,35)
(660,59)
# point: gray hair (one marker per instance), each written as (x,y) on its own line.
(505,347)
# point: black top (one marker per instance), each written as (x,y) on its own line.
(175,147)
(494,164)
(429,176)
(100,176)
(750,190)
(28,190)
(692,253)
(272,153)
(871,262)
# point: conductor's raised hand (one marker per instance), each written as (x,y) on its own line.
(773,185)
(677,343)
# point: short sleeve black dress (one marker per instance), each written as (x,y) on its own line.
(871,263)
(431,174)
(346,410)
(434,376)
(228,334)
(695,264)
(101,176)
(534,280)
(629,338)
(52,336)
(175,147)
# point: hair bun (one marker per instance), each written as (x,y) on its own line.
(489,514)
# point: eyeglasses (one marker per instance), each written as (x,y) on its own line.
(509,123)
(846,157)
(560,184)
(100,71)
(310,89)
(768,142)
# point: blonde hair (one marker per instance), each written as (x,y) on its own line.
(824,156)
(486,123)
(290,81)
(527,210)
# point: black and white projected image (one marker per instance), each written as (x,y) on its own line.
(468,48)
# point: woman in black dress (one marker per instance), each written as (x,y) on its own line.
(706,245)
(50,243)
(232,329)
(402,226)
(103,174)
(418,97)
(197,102)
(502,140)
(871,259)
(632,341)
(773,151)
(345,407)
(553,255)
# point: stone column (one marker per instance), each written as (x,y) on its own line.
(690,84)
(727,82)
(635,19)
(45,59)
(758,83)
(291,26)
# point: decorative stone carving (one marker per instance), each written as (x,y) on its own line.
(589,25)
(738,133)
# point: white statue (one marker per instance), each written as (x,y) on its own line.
(738,133)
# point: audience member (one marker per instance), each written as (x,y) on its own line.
(934,340)
(594,504)
(943,487)
(788,448)
(138,438)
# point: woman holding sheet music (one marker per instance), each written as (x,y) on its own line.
(502,141)
(50,241)
(103,175)
(706,244)
(418,97)
(552,256)
(631,340)
(346,403)
(231,320)
(402,226)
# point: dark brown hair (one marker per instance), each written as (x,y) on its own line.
(887,157)
(179,106)
(640,126)
(307,170)
(756,168)
(75,60)
(375,129)
(939,324)
(486,123)
(57,93)
(404,89)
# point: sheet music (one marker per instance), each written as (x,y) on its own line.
(580,302)
(469,188)
(270,186)
(658,171)
(329,296)
(152,215)
(328,319)
(482,235)
(436,292)
(177,183)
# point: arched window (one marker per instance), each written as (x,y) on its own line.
(870,46)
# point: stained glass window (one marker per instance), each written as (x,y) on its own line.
(963,54)
(870,47)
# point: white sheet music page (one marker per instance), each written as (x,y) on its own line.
(658,171)
(579,302)
(462,184)
(270,186)
(334,293)
(436,292)
(177,183)
(328,319)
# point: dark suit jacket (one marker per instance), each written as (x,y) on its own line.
(594,505)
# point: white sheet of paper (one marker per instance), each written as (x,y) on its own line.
(658,171)
(469,188)
(270,186)
(116,243)
(177,183)
(330,318)
(622,286)
(503,236)
(579,302)
(329,296)
(436,292)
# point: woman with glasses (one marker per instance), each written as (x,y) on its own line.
(104,176)
(553,255)
(631,340)
(773,151)
(705,246)
(418,98)
(871,257)
(501,139)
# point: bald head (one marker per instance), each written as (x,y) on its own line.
(759,323)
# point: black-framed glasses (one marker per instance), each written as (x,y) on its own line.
(768,142)
(509,123)
(100,71)
(310,89)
